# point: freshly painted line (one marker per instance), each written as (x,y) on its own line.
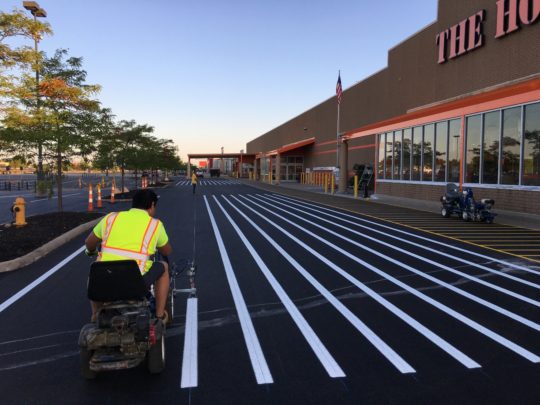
(322,353)
(258,361)
(515,266)
(438,252)
(473,324)
(39,280)
(181,181)
(189,359)
(435,339)
(435,280)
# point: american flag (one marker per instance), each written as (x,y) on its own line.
(339,90)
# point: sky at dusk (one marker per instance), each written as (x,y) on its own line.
(219,73)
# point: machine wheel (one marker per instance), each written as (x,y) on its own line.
(445,213)
(465,215)
(85,356)
(489,220)
(155,358)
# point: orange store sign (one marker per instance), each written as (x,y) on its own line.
(467,35)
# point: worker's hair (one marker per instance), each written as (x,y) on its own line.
(143,199)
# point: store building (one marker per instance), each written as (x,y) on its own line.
(458,102)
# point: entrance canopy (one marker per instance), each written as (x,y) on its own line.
(244,156)
(288,147)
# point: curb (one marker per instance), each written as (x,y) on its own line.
(42,251)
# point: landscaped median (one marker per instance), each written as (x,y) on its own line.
(42,234)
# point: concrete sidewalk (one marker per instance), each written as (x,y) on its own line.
(512,218)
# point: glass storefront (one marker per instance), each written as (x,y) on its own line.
(291,167)
(531,146)
(501,147)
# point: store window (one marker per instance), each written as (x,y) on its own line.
(454,161)
(531,146)
(498,146)
(382,148)
(441,145)
(416,153)
(406,160)
(472,150)
(389,155)
(511,145)
(397,155)
(491,144)
(427,152)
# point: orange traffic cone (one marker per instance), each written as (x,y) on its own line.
(112,192)
(90,198)
(99,204)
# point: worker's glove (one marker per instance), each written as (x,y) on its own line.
(90,253)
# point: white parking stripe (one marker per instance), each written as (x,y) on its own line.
(39,280)
(189,359)
(473,324)
(258,361)
(326,359)
(435,280)
(435,339)
(411,254)
(424,247)
(515,266)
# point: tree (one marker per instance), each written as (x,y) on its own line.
(16,59)
(68,119)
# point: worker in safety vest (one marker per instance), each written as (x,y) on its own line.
(136,235)
(194,180)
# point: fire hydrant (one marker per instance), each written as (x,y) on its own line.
(19,210)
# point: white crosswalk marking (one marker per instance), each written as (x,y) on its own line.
(435,280)
(475,325)
(258,361)
(458,355)
(321,210)
(317,346)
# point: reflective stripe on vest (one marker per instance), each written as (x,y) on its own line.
(125,253)
(108,226)
(142,255)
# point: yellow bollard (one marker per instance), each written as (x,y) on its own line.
(333,183)
(102,181)
(325,184)
(20,211)
(356,186)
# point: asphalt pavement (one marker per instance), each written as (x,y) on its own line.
(298,302)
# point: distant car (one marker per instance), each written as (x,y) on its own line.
(200,174)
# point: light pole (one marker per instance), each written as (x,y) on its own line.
(37,11)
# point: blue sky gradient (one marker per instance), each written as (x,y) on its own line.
(220,73)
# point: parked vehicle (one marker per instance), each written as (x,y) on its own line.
(465,206)
(477,211)
(451,201)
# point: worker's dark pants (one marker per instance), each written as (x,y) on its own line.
(194,185)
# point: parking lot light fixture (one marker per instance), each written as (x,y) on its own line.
(37,11)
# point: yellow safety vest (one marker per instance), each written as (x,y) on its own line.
(130,234)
